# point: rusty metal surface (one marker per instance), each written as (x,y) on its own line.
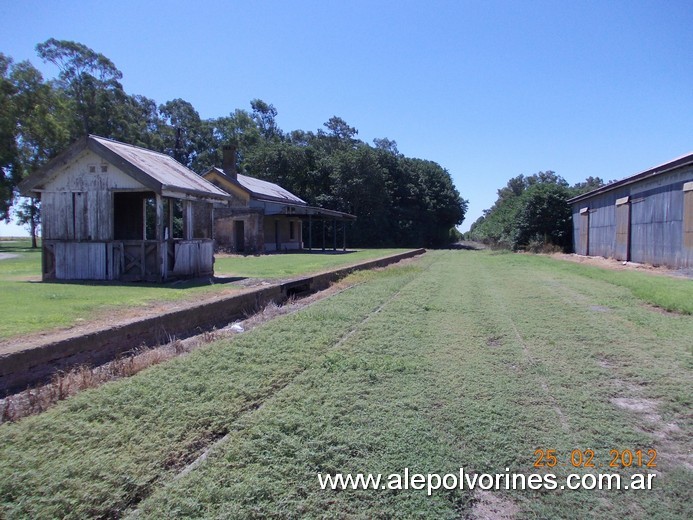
(261,188)
(164,169)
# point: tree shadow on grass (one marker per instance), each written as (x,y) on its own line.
(468,246)
(188,283)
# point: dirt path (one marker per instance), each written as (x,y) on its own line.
(618,265)
(7,256)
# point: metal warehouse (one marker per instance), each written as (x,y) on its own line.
(645,218)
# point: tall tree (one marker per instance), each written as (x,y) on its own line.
(531,211)
(545,217)
(182,131)
(265,115)
(43,122)
(89,78)
(10,172)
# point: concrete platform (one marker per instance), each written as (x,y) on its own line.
(21,368)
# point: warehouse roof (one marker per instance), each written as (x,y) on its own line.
(679,162)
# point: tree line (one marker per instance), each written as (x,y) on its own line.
(531,212)
(399,201)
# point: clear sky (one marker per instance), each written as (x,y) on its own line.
(488,89)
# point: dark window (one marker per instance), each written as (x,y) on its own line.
(128,216)
(292,231)
(202,220)
(150,216)
(134,216)
(177,212)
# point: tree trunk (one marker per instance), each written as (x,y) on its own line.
(32,221)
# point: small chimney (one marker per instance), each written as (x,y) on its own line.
(229,161)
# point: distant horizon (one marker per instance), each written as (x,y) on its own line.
(487,90)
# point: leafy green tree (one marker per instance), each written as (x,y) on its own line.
(531,210)
(265,115)
(28,212)
(545,216)
(182,131)
(386,145)
(10,170)
(240,129)
(90,80)
(43,121)
(591,183)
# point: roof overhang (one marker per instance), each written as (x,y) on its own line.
(679,162)
(33,183)
(305,211)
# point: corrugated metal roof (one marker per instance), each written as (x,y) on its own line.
(651,172)
(267,189)
(171,174)
(263,189)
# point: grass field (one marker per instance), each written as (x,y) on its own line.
(293,264)
(460,359)
(28,305)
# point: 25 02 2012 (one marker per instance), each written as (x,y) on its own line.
(586,458)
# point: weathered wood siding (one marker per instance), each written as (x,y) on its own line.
(194,257)
(80,261)
(77,204)
(77,215)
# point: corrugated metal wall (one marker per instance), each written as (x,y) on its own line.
(647,227)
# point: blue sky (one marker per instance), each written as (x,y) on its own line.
(489,90)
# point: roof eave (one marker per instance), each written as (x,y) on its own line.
(34,180)
(124,165)
(180,193)
(261,197)
(681,162)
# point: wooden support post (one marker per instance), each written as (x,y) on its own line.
(344,235)
(323,234)
(159,218)
(187,220)
(334,234)
(310,233)
(144,218)
(161,245)
(171,206)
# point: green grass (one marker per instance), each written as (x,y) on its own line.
(29,305)
(671,294)
(293,264)
(463,359)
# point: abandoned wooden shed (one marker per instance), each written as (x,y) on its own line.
(644,218)
(263,217)
(112,211)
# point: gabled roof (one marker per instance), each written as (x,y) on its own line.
(268,192)
(157,171)
(679,162)
(261,190)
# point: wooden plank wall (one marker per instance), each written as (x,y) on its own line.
(77,215)
(194,258)
(80,261)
